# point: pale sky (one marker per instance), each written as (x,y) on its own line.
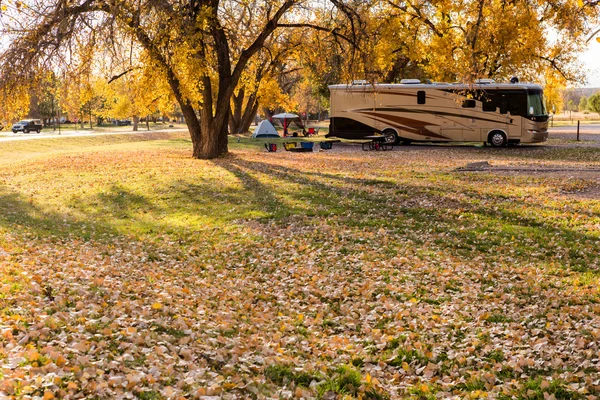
(591,60)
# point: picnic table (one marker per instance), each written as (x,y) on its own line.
(376,142)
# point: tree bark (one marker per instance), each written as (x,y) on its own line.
(136,121)
(249,114)
(235,115)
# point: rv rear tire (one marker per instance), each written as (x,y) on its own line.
(391,137)
(497,139)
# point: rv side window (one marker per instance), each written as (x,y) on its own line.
(470,103)
(503,105)
(488,103)
(421,97)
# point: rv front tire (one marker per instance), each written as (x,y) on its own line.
(497,139)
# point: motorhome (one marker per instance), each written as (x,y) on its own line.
(493,113)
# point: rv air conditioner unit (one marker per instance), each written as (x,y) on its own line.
(410,81)
(360,82)
(484,81)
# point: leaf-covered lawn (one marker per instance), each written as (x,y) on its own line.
(135,271)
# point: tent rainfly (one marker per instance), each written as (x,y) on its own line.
(265,130)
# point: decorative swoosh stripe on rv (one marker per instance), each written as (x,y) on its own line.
(401,121)
(440,113)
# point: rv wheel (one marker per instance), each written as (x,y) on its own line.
(391,137)
(497,139)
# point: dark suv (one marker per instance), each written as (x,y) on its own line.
(28,125)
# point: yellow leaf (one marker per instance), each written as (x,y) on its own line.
(33,355)
(157,306)
(27,389)
(368,378)
(580,3)
(48,395)
(598,39)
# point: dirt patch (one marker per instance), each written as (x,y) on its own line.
(583,183)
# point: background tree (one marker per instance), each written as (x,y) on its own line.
(14,104)
(554,85)
(583,103)
(593,103)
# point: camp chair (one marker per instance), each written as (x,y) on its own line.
(271,147)
(289,145)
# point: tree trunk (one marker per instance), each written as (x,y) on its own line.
(213,134)
(249,113)
(147,122)
(242,115)
(235,115)
(136,121)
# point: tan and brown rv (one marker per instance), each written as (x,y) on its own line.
(488,112)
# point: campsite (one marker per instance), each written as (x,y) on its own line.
(288,199)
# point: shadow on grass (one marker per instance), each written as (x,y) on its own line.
(497,228)
(262,191)
(22,216)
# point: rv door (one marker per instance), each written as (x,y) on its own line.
(517,108)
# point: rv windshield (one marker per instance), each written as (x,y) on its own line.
(535,100)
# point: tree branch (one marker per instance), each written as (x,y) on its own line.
(115,77)
(319,28)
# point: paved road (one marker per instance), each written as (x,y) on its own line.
(8,137)
(586,132)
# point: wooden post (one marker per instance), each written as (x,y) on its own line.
(578,131)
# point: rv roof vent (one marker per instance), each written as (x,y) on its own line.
(514,79)
(485,81)
(410,81)
(361,82)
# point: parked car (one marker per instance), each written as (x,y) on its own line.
(122,122)
(28,125)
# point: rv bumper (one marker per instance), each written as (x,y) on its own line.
(536,136)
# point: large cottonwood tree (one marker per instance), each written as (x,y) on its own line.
(190,44)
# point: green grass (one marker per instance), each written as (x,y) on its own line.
(284,375)
(21,150)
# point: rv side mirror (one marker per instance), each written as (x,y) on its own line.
(531,110)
